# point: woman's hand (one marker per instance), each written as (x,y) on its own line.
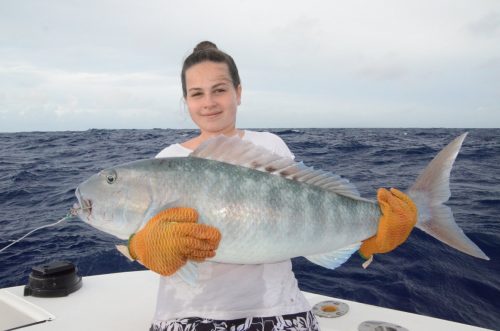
(172,237)
(399,216)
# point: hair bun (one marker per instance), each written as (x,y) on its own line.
(204,45)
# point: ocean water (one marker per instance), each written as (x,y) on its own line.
(39,172)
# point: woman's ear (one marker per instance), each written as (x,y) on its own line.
(238,94)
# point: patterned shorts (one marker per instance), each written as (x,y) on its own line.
(305,321)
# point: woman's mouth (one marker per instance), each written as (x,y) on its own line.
(211,115)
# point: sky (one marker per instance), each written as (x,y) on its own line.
(115,64)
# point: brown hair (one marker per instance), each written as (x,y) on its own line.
(208,51)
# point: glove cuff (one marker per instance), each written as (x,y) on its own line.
(132,246)
(368,248)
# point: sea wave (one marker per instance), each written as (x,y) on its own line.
(40,171)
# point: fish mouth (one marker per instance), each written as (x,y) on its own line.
(84,205)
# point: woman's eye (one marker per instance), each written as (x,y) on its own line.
(220,91)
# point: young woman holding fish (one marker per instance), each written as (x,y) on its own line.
(233,296)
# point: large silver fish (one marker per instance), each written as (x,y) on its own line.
(268,208)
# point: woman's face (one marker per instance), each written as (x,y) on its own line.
(211,97)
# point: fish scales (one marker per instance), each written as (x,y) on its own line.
(263,218)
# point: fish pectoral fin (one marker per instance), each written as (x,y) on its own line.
(334,259)
(189,273)
(152,212)
(124,250)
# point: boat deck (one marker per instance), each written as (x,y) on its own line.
(126,301)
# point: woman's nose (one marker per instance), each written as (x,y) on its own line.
(208,101)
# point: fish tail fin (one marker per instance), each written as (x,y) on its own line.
(430,191)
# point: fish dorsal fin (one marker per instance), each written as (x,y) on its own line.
(236,151)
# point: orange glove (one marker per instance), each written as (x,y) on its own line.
(399,216)
(172,237)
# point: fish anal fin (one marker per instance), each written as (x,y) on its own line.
(336,258)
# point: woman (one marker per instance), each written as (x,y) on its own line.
(231,296)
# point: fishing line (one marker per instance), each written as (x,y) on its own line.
(73,213)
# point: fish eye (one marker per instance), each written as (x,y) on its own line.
(110,177)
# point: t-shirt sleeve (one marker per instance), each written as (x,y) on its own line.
(174,150)
(282,148)
(274,143)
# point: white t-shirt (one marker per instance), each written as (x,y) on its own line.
(232,291)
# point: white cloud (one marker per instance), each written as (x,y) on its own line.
(67,65)
(83,100)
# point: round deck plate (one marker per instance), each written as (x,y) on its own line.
(379,325)
(330,309)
